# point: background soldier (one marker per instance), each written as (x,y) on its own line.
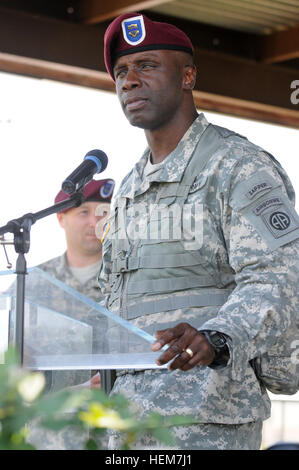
(78,267)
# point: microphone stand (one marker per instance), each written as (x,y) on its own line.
(21,229)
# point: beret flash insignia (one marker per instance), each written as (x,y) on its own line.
(134,30)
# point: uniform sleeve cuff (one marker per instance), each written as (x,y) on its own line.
(238,360)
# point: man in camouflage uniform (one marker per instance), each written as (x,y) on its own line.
(202,246)
(78,268)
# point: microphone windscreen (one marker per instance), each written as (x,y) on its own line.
(98,155)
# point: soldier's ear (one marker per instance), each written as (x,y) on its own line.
(189,77)
(60,217)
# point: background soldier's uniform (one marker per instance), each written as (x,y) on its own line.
(59,269)
(57,338)
(242,280)
(57,380)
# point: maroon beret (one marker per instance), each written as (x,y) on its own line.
(95,190)
(132,32)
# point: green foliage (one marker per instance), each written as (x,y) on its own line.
(22,400)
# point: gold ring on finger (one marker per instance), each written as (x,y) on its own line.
(188,351)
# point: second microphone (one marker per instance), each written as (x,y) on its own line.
(95,161)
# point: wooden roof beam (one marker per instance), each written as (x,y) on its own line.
(204,100)
(94,11)
(73,53)
(246,88)
(279,47)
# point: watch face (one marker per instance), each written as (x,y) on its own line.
(217,339)
(218,342)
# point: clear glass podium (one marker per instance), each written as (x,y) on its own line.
(65,330)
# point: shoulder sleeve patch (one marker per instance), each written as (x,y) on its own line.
(266,203)
(252,189)
(261,201)
(280,221)
(258,188)
(275,218)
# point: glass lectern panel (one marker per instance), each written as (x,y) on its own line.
(65,330)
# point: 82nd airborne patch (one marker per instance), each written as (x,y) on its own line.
(280,221)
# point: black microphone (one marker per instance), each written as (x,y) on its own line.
(95,161)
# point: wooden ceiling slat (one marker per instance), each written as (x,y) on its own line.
(203,15)
(241,15)
(258,10)
(288,2)
(93,11)
(219,8)
(277,6)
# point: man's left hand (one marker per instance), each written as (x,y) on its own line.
(187,345)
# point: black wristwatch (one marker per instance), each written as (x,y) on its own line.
(218,341)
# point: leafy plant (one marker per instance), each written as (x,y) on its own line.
(22,400)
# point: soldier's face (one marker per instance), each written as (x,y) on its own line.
(150,87)
(80,224)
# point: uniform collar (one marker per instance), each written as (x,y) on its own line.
(63,269)
(175,163)
(62,266)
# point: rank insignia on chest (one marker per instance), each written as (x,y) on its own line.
(134,30)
